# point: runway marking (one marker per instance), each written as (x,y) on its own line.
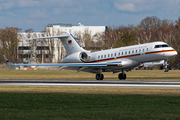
(89,85)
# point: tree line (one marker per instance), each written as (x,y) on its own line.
(150,29)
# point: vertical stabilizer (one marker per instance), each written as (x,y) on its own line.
(70,44)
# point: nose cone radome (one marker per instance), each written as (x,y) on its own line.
(174,53)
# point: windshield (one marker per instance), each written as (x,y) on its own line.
(160,46)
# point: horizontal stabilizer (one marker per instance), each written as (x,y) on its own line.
(60,36)
(7,61)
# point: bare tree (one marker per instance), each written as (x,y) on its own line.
(9,42)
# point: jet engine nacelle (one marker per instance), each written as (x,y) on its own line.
(77,57)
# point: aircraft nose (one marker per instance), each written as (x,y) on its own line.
(174,53)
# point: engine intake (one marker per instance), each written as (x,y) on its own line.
(83,57)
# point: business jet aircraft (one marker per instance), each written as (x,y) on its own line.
(111,60)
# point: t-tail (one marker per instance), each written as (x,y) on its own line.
(69,42)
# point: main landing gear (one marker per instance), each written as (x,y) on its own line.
(121,76)
(99,76)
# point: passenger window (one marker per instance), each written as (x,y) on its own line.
(143,50)
(119,54)
(147,49)
(108,55)
(136,51)
(126,53)
(139,50)
(98,57)
(132,51)
(111,55)
(114,54)
(104,56)
(122,53)
(129,52)
(101,56)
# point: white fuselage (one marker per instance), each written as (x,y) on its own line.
(131,56)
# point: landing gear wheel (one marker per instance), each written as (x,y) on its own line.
(102,77)
(99,76)
(121,76)
(124,77)
(166,70)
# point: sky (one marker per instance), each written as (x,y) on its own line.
(37,14)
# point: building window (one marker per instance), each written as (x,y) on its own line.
(24,48)
(42,48)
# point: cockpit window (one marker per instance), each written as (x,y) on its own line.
(160,46)
(165,46)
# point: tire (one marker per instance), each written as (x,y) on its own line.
(120,76)
(101,77)
(97,76)
(124,77)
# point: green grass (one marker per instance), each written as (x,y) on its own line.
(173,75)
(68,103)
(73,106)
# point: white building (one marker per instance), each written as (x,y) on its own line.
(74,29)
(40,51)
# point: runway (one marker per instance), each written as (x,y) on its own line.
(90,83)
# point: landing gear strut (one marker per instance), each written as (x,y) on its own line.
(122,76)
(99,76)
(166,66)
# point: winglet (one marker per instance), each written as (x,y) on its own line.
(7,61)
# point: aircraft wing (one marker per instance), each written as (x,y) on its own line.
(152,64)
(66,64)
(62,65)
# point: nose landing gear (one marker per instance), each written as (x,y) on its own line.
(166,66)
